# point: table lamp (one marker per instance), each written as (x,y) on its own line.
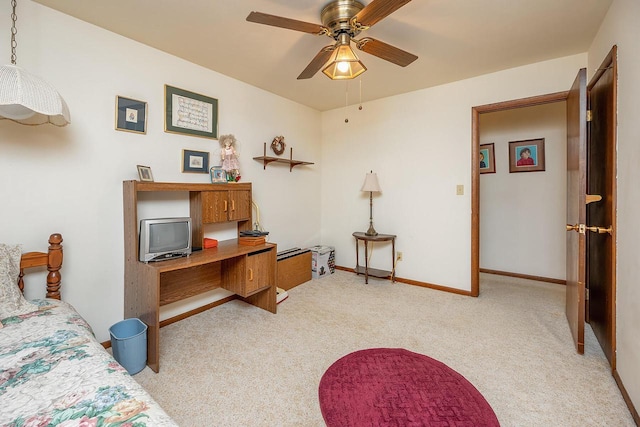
(371,185)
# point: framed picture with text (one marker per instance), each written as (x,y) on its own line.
(195,161)
(526,156)
(189,113)
(131,115)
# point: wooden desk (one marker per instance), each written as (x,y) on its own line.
(247,271)
(374,271)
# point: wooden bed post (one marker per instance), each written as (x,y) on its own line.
(53,265)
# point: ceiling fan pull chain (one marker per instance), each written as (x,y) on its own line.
(360,107)
(346,101)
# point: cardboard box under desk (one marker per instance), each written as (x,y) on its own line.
(294,268)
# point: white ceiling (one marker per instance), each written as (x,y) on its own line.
(453,39)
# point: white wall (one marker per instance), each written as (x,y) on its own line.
(523,215)
(69,180)
(420,145)
(620,27)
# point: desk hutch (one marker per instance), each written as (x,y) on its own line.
(247,271)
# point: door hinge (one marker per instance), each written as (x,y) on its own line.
(589,115)
(586,294)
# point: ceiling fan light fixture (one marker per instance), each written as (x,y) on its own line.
(344,63)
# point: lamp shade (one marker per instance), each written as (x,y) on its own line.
(344,62)
(29,100)
(371,183)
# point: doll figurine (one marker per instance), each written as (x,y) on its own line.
(229,157)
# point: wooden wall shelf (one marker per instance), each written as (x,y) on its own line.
(268,159)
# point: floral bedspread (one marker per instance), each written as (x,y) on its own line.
(54,373)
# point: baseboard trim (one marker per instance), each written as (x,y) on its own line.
(627,398)
(434,286)
(524,276)
(418,283)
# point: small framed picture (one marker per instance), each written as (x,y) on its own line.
(144,172)
(131,115)
(195,161)
(526,156)
(218,175)
(487,158)
(190,113)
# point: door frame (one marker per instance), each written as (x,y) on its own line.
(475,168)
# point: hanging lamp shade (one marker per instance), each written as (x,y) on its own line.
(29,100)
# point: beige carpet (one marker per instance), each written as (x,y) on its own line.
(237,365)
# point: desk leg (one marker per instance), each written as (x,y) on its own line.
(366,263)
(393,260)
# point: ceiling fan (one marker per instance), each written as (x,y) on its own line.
(343,20)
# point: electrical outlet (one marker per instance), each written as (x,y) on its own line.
(399,256)
(460,190)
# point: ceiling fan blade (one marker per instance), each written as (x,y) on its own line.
(385,51)
(316,63)
(377,10)
(290,24)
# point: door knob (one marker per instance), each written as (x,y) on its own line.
(581,228)
(601,230)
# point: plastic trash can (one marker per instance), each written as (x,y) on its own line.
(129,344)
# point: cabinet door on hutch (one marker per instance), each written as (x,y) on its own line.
(258,271)
(239,205)
(214,206)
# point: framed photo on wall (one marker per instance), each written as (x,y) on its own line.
(131,115)
(195,161)
(526,156)
(487,158)
(189,113)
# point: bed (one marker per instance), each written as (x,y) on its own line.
(53,372)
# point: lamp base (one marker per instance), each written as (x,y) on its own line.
(371,231)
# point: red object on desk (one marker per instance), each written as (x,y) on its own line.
(210,243)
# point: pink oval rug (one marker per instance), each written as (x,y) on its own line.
(396,387)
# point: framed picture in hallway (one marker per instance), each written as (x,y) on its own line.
(526,156)
(487,158)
